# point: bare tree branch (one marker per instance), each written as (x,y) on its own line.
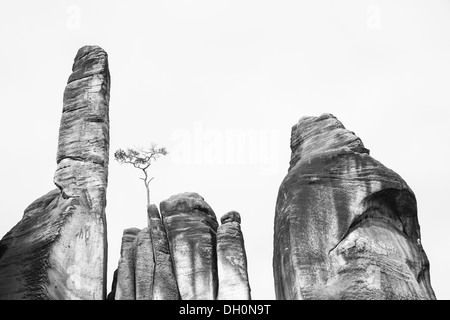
(142,159)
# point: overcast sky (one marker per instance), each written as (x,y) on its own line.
(220,84)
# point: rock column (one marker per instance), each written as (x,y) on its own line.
(165,285)
(232,259)
(144,265)
(59,248)
(126,283)
(191,227)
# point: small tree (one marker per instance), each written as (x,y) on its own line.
(141,159)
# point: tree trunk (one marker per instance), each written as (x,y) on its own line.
(148,193)
(147,182)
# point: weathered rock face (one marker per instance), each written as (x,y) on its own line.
(145,270)
(346,226)
(187,261)
(59,248)
(126,286)
(144,265)
(232,259)
(165,285)
(191,227)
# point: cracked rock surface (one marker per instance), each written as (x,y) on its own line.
(346,226)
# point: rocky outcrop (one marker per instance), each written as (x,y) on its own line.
(346,226)
(145,269)
(126,286)
(59,248)
(144,265)
(191,228)
(165,285)
(232,259)
(186,254)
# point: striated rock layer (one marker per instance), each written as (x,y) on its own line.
(59,249)
(346,226)
(232,259)
(191,228)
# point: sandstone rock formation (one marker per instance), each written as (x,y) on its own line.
(186,254)
(232,259)
(145,267)
(59,248)
(126,287)
(165,285)
(346,226)
(191,228)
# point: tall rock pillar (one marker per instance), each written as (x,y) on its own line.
(232,259)
(59,248)
(191,228)
(126,271)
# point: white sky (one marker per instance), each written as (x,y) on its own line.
(195,76)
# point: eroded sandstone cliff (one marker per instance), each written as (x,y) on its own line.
(346,226)
(59,248)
